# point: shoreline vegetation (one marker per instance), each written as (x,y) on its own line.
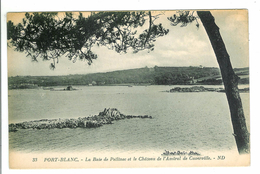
(105,117)
(131,77)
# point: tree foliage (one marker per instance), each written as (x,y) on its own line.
(49,36)
(183,18)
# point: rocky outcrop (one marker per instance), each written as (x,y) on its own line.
(105,117)
(68,88)
(244,90)
(194,89)
(202,89)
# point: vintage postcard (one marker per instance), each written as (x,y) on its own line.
(128,89)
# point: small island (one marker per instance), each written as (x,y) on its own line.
(68,88)
(105,117)
(202,89)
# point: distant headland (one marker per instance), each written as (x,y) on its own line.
(141,76)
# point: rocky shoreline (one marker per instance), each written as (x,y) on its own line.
(201,89)
(195,89)
(105,117)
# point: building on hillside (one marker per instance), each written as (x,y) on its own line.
(191,81)
(94,83)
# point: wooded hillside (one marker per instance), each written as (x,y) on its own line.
(141,76)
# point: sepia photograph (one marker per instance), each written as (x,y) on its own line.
(164,88)
(153,88)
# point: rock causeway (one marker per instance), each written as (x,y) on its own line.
(105,117)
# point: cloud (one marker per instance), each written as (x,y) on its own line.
(183,46)
(233,26)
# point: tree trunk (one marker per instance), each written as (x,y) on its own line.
(230,80)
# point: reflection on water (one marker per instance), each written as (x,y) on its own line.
(181,121)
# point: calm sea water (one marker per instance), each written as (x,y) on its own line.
(181,121)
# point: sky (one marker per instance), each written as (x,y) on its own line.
(183,46)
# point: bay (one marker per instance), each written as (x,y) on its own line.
(181,121)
